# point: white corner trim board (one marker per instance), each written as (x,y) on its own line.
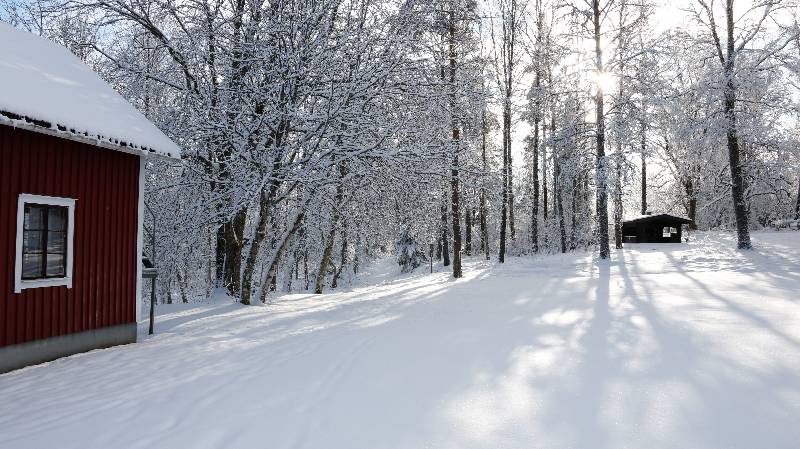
(26,198)
(139,240)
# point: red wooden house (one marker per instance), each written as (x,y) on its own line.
(71,184)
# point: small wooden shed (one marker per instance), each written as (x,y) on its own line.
(660,228)
(71,192)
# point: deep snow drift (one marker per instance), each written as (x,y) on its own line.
(686,346)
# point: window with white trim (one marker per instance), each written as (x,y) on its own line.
(45,230)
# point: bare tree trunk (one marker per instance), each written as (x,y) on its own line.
(553,156)
(535,176)
(734,152)
(211,266)
(265,203)
(643,153)
(220,262)
(455,188)
(797,206)
(456,215)
(511,220)
(559,205)
(618,199)
(573,234)
(281,247)
(618,156)
(230,240)
(355,254)
(509,24)
(182,286)
(445,241)
(342,258)
(692,209)
(273,275)
(544,171)
(600,164)
(294,271)
(468,217)
(504,208)
(644,173)
(326,256)
(328,252)
(305,268)
(537,118)
(483,211)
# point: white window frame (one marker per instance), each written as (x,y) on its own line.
(26,198)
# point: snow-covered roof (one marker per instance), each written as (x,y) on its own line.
(45,88)
(657,216)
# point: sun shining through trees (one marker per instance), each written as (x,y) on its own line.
(605,81)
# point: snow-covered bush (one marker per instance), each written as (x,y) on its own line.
(409,256)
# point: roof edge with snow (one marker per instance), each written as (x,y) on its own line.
(653,217)
(43,127)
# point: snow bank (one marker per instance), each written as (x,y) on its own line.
(45,87)
(671,346)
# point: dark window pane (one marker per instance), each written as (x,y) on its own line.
(55,265)
(33,217)
(44,240)
(56,242)
(57,219)
(31,266)
(32,242)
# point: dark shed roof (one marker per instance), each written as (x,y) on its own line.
(659,217)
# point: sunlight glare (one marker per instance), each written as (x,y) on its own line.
(605,81)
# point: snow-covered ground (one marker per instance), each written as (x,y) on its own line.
(667,346)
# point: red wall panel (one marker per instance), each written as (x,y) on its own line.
(105,184)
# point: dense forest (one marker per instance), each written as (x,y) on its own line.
(318,135)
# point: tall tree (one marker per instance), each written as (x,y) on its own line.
(741,47)
(506,68)
(536,94)
(601,175)
(455,189)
